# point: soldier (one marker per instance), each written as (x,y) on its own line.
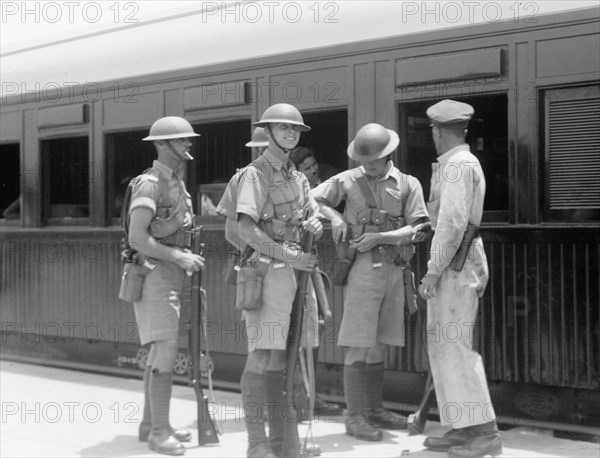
(452,293)
(271,202)
(160,216)
(383,209)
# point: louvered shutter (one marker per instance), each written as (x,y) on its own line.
(572,150)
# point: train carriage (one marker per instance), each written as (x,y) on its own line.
(68,151)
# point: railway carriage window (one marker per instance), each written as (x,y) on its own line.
(218,153)
(127,156)
(10,188)
(328,138)
(487,136)
(572,154)
(66,171)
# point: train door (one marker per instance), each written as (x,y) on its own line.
(10,187)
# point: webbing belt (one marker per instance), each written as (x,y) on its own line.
(182,239)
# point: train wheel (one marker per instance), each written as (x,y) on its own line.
(141,358)
(181,364)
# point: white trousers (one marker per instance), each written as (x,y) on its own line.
(458,374)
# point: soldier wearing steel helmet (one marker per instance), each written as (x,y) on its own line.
(384,213)
(159,219)
(271,203)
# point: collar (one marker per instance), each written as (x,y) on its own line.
(448,154)
(167,171)
(277,163)
(391,172)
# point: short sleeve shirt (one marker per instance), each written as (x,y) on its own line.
(170,203)
(387,192)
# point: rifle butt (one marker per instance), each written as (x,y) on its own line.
(416,421)
(207,431)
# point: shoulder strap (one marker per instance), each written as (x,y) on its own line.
(361,180)
(366,190)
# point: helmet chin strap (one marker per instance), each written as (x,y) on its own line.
(184,156)
(268,127)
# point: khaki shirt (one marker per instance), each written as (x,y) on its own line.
(386,190)
(163,191)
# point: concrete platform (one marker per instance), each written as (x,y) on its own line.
(50,412)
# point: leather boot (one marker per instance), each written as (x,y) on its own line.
(327,409)
(385,419)
(357,426)
(160,439)
(453,437)
(163,442)
(182,435)
(485,440)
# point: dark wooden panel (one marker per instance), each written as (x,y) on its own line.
(568,56)
(65,115)
(214,95)
(132,108)
(461,66)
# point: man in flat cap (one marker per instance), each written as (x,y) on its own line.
(457,274)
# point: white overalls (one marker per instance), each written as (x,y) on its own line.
(456,199)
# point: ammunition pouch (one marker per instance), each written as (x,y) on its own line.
(132,279)
(249,284)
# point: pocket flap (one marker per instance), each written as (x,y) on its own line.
(378,217)
(364,216)
(283,211)
(279,227)
(267,212)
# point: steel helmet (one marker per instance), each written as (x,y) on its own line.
(170,127)
(373,141)
(259,138)
(282,112)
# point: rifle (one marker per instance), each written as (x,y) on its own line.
(291,439)
(207,432)
(416,421)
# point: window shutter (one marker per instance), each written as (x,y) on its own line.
(573,148)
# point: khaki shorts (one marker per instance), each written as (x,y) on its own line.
(157,313)
(373,305)
(267,328)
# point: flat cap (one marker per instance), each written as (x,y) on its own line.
(450,113)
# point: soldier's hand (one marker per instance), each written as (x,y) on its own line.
(365,242)
(189,262)
(314,226)
(303,261)
(420,232)
(339,229)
